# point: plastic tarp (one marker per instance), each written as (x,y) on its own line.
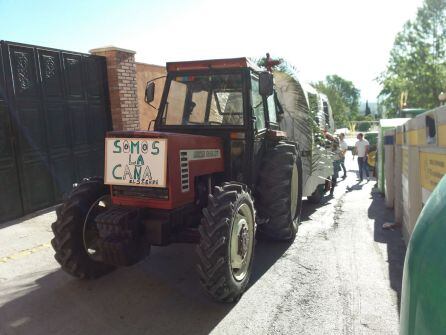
(298,123)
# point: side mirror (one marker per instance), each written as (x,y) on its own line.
(150,92)
(266,84)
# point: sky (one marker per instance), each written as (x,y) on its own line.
(350,38)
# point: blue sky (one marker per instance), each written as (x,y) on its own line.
(351,38)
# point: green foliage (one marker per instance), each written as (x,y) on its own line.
(343,97)
(337,104)
(348,92)
(417,63)
(364,126)
(367,108)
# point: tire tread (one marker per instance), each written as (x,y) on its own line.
(212,251)
(273,192)
(67,242)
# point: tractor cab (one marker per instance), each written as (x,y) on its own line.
(231,98)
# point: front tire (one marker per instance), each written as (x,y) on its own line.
(279,192)
(226,248)
(74,216)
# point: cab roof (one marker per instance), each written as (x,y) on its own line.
(228,63)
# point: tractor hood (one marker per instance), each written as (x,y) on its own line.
(158,169)
(154,134)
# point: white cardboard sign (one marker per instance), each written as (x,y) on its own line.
(136,161)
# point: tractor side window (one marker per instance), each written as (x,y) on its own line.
(227,107)
(272,109)
(257,104)
(175,102)
(199,100)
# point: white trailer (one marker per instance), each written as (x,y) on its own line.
(306,114)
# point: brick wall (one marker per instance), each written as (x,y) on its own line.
(121,72)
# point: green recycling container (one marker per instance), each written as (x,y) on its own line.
(423,296)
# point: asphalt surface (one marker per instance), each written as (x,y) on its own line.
(342,275)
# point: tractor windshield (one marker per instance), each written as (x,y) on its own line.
(204,100)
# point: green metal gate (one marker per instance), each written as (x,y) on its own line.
(54,112)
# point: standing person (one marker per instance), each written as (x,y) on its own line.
(336,163)
(362,149)
(343,148)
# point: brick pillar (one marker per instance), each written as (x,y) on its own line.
(121,72)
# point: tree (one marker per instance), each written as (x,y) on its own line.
(343,97)
(367,108)
(364,126)
(347,90)
(338,105)
(416,71)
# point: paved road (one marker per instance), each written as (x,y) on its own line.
(342,275)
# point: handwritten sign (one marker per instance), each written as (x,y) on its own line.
(136,161)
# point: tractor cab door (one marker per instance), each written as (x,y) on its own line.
(264,117)
(260,125)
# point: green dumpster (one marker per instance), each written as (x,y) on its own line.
(423,297)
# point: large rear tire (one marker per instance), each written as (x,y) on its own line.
(226,248)
(75,225)
(279,192)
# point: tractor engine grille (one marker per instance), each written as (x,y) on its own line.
(141,192)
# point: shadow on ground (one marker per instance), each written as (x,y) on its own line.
(356,187)
(27,217)
(396,248)
(309,208)
(160,295)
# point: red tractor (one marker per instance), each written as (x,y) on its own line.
(216,168)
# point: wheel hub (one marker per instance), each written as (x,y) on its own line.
(90,234)
(243,240)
